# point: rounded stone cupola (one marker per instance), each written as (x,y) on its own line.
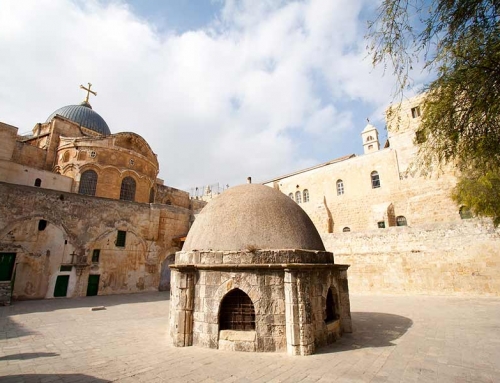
(84,115)
(250,217)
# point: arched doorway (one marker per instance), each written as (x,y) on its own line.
(236,312)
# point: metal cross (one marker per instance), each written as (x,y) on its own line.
(88,92)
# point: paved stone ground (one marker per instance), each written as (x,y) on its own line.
(396,339)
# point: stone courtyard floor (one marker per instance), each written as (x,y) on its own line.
(396,339)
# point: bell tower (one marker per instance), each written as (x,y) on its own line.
(370,139)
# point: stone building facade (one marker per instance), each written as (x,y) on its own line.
(82,211)
(399,229)
(254,276)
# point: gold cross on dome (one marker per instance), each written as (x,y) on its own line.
(88,92)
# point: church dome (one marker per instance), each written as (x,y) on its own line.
(84,115)
(252,216)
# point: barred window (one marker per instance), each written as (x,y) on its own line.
(340,187)
(298,197)
(88,182)
(306,195)
(127,191)
(401,221)
(236,312)
(375,180)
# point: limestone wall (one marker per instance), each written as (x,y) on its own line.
(8,135)
(14,173)
(461,258)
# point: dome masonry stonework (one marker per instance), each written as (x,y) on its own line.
(254,275)
(83,115)
(253,216)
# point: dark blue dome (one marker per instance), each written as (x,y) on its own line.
(83,115)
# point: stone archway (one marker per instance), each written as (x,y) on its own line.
(165,273)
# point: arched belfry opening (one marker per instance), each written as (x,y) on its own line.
(236,312)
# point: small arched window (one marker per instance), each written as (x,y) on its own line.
(38,182)
(401,221)
(306,195)
(236,312)
(369,138)
(298,197)
(331,307)
(375,180)
(291,196)
(346,229)
(127,191)
(88,182)
(152,195)
(65,156)
(340,187)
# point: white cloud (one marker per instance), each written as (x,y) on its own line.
(216,104)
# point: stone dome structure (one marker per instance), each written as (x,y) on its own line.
(84,115)
(249,217)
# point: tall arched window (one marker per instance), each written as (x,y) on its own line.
(291,196)
(88,182)
(298,197)
(127,191)
(401,221)
(306,195)
(369,138)
(375,180)
(236,312)
(331,307)
(340,187)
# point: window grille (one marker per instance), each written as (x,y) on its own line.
(306,195)
(88,183)
(401,221)
(121,238)
(298,197)
(340,187)
(346,229)
(127,191)
(38,182)
(331,307)
(375,180)
(291,196)
(97,252)
(236,312)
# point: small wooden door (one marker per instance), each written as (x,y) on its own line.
(61,288)
(93,285)
(7,261)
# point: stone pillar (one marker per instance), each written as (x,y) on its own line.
(345,303)
(299,332)
(181,308)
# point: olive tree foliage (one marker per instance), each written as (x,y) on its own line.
(459,44)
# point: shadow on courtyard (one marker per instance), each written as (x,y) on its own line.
(371,329)
(28,355)
(51,378)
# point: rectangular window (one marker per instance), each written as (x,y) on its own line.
(65,268)
(7,261)
(381,225)
(415,112)
(121,238)
(95,255)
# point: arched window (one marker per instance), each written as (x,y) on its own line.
(340,187)
(127,191)
(152,195)
(88,182)
(298,197)
(236,312)
(291,196)
(38,182)
(331,307)
(369,138)
(465,212)
(401,221)
(65,157)
(375,180)
(346,229)
(306,195)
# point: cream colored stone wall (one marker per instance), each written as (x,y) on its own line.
(8,135)
(461,258)
(14,173)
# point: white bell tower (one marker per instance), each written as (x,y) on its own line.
(370,139)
